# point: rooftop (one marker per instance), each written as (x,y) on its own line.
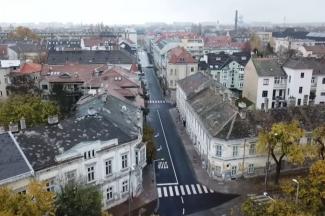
(180,55)
(12,161)
(268,67)
(317,65)
(191,83)
(96,119)
(90,57)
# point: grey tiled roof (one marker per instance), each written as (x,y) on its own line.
(41,144)
(90,57)
(317,65)
(268,67)
(12,162)
(191,83)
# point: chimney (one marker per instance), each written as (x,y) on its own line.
(242,110)
(22,123)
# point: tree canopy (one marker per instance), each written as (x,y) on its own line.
(23,33)
(283,140)
(37,201)
(32,108)
(148,138)
(79,200)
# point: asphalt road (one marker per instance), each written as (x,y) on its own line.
(178,191)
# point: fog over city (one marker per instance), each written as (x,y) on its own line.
(143,11)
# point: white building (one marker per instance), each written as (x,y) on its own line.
(225,135)
(6,66)
(194,46)
(179,65)
(101,145)
(269,84)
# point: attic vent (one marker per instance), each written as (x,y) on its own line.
(218,59)
(243,58)
(53,119)
(123,109)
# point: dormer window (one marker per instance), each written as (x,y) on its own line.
(89,154)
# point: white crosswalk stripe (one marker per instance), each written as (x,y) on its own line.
(176,190)
(205,189)
(165,192)
(188,190)
(199,188)
(159,192)
(193,189)
(171,193)
(182,190)
(157,101)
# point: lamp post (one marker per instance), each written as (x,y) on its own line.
(154,179)
(297,193)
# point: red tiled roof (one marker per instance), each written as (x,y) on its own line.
(134,68)
(180,55)
(28,68)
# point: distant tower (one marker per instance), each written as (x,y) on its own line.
(236,21)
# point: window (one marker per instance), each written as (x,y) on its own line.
(252,149)
(217,171)
(136,157)
(218,150)
(235,151)
(313,80)
(89,154)
(171,72)
(300,90)
(50,184)
(44,87)
(302,75)
(109,193)
(233,170)
(322,94)
(251,169)
(124,161)
(241,76)
(264,94)
(71,176)
(266,82)
(299,102)
(323,81)
(288,91)
(171,82)
(289,79)
(192,69)
(91,173)
(108,167)
(125,186)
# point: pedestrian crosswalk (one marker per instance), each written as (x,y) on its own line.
(162,165)
(157,101)
(182,190)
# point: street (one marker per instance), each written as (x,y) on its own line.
(178,191)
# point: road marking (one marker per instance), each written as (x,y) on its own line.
(176,191)
(171,160)
(182,200)
(166,184)
(183,211)
(171,191)
(159,192)
(211,191)
(182,190)
(205,189)
(188,190)
(165,192)
(193,189)
(199,188)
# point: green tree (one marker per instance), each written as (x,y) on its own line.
(32,108)
(79,200)
(37,201)
(282,140)
(23,33)
(148,138)
(319,139)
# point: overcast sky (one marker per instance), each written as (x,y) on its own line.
(142,11)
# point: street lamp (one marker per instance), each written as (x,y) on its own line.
(297,193)
(154,179)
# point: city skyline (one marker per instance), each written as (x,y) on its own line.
(168,11)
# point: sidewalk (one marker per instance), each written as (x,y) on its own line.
(147,196)
(242,187)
